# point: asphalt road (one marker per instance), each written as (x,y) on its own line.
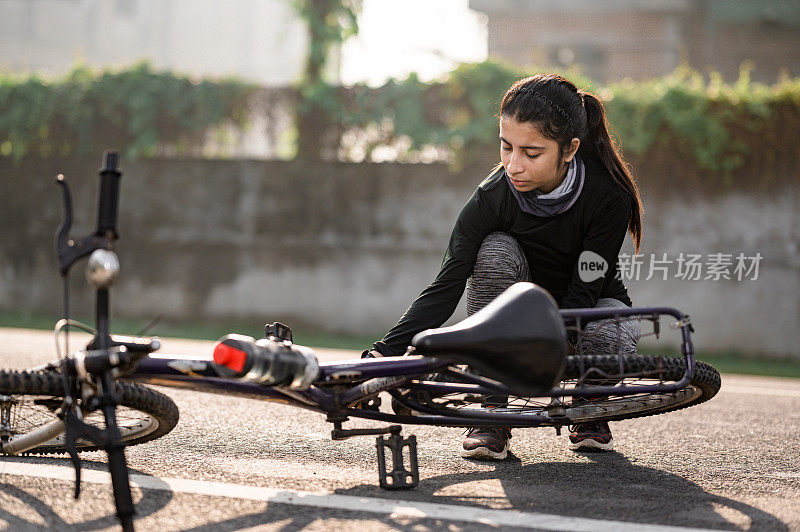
(234,464)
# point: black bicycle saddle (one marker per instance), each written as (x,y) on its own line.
(518,339)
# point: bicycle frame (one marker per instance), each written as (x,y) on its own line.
(342,387)
(385,374)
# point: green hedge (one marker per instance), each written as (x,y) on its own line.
(720,127)
(681,125)
(137,110)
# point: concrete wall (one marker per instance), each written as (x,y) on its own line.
(348,246)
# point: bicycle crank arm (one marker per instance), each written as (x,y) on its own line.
(34,438)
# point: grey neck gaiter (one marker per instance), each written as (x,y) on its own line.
(558,200)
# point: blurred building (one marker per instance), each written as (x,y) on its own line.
(614,39)
(256,40)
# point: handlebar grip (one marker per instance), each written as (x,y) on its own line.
(108,198)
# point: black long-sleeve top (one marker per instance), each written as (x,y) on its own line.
(596,222)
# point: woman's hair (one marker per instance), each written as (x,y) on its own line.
(561,112)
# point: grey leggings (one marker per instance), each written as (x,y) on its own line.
(501,263)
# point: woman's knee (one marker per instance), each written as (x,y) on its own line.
(499,264)
(613,335)
(500,255)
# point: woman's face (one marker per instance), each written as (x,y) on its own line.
(531,160)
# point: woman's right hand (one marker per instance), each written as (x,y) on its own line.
(371,353)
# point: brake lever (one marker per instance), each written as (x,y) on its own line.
(67,250)
(62,234)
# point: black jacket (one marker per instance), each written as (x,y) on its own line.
(596,222)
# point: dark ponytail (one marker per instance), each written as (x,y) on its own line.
(561,112)
(604,147)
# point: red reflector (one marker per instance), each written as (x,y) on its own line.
(230,357)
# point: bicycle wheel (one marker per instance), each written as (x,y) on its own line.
(627,370)
(31,399)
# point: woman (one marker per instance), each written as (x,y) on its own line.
(561,194)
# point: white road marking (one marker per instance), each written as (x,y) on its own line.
(783,474)
(390,507)
(754,390)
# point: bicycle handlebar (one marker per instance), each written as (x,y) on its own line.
(69,250)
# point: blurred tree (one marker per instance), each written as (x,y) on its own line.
(701,131)
(329,22)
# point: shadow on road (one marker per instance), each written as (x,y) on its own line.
(151,501)
(608,487)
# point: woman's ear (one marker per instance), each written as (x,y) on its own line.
(572,149)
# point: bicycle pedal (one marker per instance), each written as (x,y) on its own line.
(400,476)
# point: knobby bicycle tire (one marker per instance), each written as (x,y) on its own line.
(705,379)
(161,411)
